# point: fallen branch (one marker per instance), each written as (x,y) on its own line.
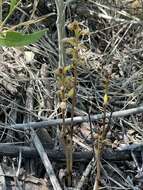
(28,152)
(56,156)
(79,119)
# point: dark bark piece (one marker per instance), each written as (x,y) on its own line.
(109,154)
(27,152)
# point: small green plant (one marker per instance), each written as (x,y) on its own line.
(9,37)
(68,87)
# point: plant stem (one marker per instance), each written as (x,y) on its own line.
(100,147)
(0,11)
(71,127)
(74,96)
(98,173)
(60,28)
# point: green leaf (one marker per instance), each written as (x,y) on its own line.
(17,39)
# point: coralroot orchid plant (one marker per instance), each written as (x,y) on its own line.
(68,86)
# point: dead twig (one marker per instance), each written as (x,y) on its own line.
(85,174)
(45,160)
(79,119)
(2,179)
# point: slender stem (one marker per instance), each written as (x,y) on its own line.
(0,11)
(9,14)
(60,28)
(74,95)
(98,172)
(100,145)
(71,128)
(104,124)
(92,135)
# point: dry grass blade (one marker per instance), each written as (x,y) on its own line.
(2,179)
(85,175)
(45,160)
